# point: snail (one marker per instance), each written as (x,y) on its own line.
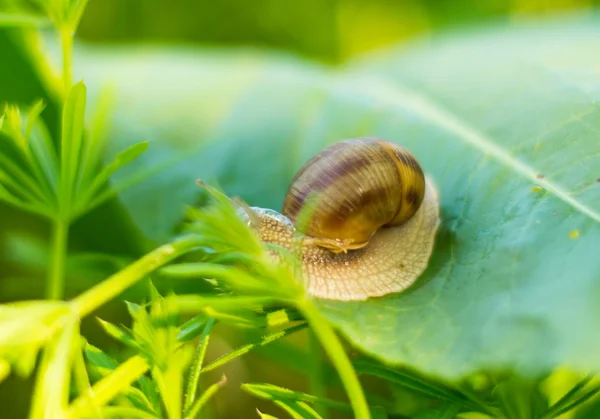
(371,225)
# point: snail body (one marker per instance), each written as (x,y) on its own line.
(371,229)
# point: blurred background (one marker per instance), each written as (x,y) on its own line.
(329,31)
(326,30)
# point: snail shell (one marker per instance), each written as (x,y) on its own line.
(382,236)
(360,185)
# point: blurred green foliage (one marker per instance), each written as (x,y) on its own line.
(328,30)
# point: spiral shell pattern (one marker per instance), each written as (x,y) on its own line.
(353,188)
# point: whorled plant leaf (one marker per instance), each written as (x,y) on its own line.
(505,120)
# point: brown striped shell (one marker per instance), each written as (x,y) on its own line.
(351,189)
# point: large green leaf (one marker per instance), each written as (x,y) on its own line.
(505,120)
(514,281)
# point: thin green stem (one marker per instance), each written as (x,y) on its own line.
(190,395)
(206,396)
(66,40)
(96,296)
(334,349)
(317,384)
(263,341)
(55,285)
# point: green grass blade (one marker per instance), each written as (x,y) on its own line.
(409,381)
(46,161)
(118,333)
(206,396)
(70,147)
(150,391)
(101,362)
(264,340)
(298,410)
(194,376)
(124,158)
(192,328)
(273,392)
(139,399)
(42,147)
(33,116)
(93,149)
(51,391)
(101,179)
